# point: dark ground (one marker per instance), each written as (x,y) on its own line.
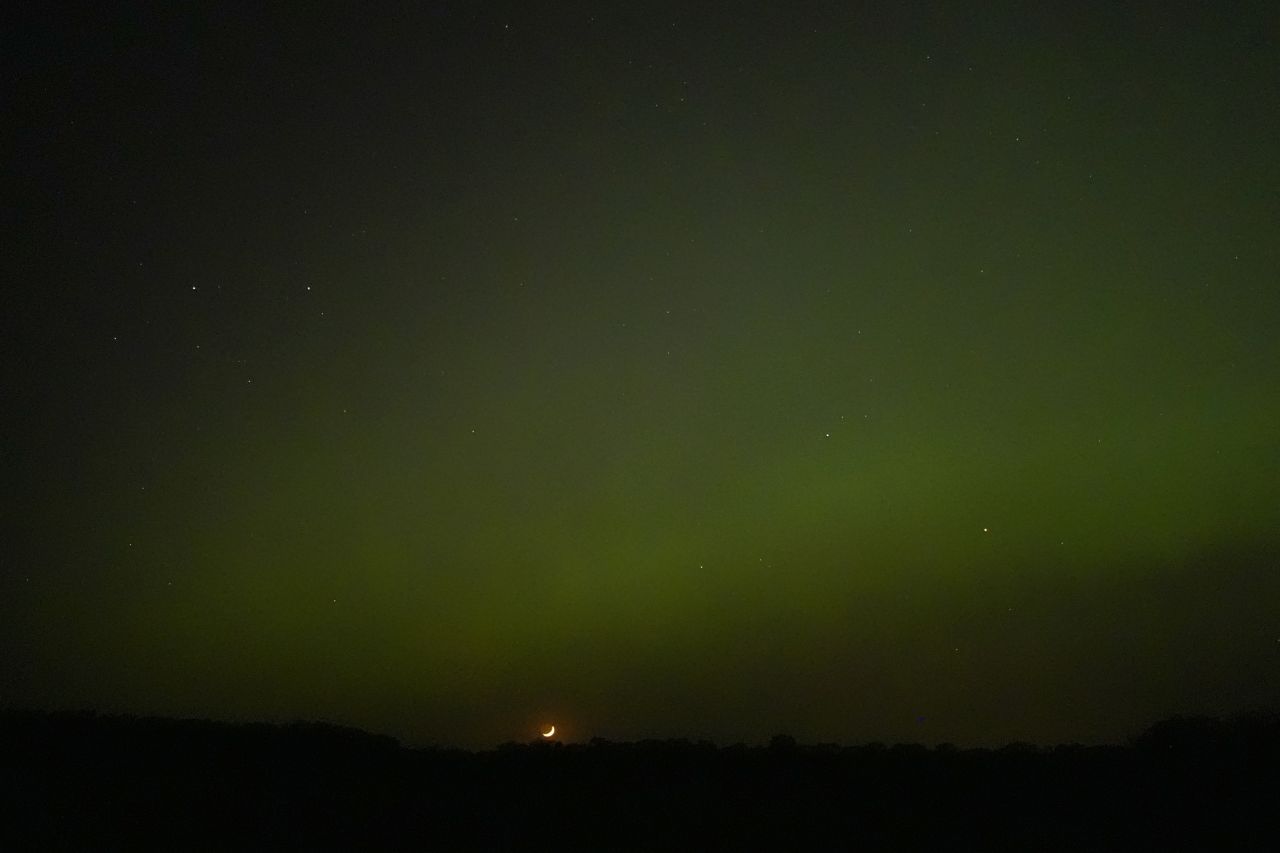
(87,782)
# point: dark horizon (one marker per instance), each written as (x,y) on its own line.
(80,782)
(1184,726)
(886,371)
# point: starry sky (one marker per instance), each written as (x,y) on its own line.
(862,371)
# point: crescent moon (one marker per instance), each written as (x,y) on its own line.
(549,732)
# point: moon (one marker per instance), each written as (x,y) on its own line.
(549,732)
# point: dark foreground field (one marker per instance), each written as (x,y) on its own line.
(83,782)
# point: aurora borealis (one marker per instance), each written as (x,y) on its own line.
(857,371)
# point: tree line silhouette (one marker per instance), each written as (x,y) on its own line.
(82,781)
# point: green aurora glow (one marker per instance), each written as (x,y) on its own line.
(916,378)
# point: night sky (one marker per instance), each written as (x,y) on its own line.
(860,371)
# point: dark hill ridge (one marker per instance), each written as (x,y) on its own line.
(81,782)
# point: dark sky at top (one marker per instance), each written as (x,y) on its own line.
(857,370)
